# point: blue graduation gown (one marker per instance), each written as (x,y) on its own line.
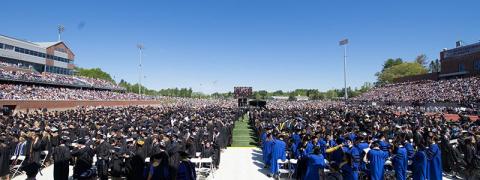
(332,143)
(349,172)
(278,152)
(434,165)
(309,148)
(315,162)
(294,151)
(323,147)
(377,160)
(296,139)
(362,146)
(263,137)
(384,146)
(337,155)
(400,163)
(419,166)
(267,151)
(410,150)
(356,155)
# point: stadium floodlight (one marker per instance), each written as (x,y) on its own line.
(140,48)
(60,28)
(344,43)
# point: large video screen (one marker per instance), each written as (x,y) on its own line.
(242,92)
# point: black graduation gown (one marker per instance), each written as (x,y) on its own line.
(61,157)
(5,154)
(173,150)
(34,151)
(103,152)
(84,160)
(136,164)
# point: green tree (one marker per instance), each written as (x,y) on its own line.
(391,62)
(400,70)
(96,73)
(422,60)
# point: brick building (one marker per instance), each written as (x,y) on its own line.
(53,57)
(461,61)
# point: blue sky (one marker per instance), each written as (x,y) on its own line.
(213,45)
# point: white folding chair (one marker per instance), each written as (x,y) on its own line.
(15,169)
(206,162)
(42,162)
(283,167)
(293,164)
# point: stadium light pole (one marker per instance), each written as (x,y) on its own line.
(61,28)
(140,48)
(344,43)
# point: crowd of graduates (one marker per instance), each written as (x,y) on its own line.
(367,142)
(118,142)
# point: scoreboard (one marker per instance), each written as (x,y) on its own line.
(242,92)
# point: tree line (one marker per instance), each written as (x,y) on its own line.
(397,68)
(392,69)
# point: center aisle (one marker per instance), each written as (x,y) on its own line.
(243,163)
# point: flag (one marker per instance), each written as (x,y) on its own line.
(343,42)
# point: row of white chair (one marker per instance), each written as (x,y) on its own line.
(18,162)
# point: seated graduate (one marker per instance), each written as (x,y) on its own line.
(186,169)
(279,148)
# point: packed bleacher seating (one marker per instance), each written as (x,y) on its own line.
(32,92)
(462,90)
(51,78)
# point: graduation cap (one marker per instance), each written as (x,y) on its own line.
(81,141)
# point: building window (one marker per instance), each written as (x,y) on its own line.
(1,46)
(476,65)
(461,67)
(8,47)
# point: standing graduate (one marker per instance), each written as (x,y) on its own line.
(84,160)
(5,154)
(315,166)
(348,168)
(400,162)
(278,152)
(419,165)
(159,167)
(267,150)
(103,151)
(376,157)
(434,165)
(61,159)
(136,163)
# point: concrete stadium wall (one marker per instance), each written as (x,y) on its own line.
(64,104)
